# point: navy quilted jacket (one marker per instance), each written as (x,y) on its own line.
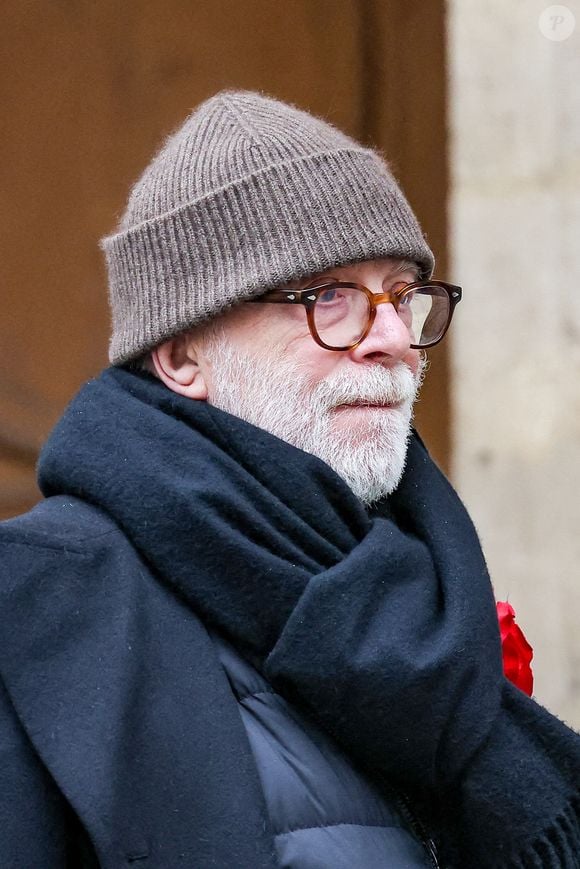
(324,813)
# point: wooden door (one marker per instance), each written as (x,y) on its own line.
(88,91)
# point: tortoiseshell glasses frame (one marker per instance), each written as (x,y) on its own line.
(308,297)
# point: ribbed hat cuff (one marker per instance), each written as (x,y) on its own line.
(283,223)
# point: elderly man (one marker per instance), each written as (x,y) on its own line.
(250,625)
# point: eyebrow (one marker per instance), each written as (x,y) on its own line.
(408,266)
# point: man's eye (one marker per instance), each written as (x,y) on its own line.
(329,296)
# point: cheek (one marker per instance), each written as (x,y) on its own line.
(316,362)
(413,360)
(291,337)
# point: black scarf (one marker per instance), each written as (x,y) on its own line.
(380,623)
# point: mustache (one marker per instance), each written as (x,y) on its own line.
(373,385)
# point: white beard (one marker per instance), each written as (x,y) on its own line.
(276,394)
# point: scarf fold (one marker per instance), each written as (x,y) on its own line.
(380,623)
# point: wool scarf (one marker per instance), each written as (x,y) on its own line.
(380,623)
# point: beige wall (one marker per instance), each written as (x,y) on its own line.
(514,98)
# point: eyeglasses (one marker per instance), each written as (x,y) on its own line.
(340,314)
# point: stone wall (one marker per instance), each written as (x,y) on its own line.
(514,108)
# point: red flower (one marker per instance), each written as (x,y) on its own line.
(517,652)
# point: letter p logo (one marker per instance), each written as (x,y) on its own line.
(557,23)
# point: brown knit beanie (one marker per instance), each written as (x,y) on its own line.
(248,194)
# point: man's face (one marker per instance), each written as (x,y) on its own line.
(351,408)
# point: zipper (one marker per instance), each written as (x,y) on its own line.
(416,825)
(418,828)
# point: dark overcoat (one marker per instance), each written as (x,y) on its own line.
(116,717)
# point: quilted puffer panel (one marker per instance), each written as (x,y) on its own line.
(324,812)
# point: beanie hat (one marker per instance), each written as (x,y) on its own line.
(247,195)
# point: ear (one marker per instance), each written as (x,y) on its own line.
(180,365)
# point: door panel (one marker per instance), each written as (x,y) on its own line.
(89,90)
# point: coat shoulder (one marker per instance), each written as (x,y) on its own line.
(67,573)
(61,541)
(63,523)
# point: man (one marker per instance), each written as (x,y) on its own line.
(250,625)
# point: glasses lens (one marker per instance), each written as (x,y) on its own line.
(341,315)
(425,310)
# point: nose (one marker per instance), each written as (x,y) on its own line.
(388,341)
